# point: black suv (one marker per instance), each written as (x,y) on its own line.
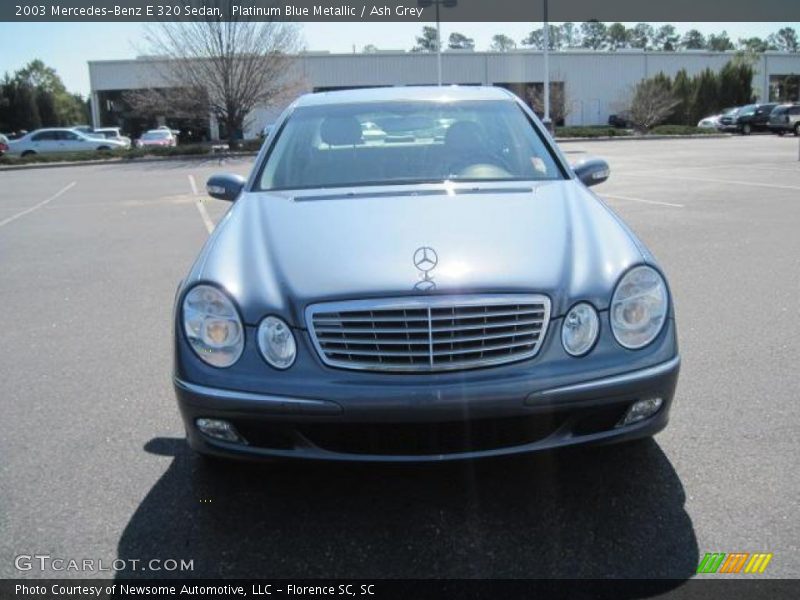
(785,119)
(753,117)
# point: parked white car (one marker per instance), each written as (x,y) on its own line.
(59,140)
(157,137)
(111,133)
(711,122)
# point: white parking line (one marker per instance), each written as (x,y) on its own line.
(60,192)
(201,208)
(711,180)
(643,201)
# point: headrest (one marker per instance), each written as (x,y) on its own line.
(340,131)
(464,135)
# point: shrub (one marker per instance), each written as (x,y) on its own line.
(680,130)
(590,132)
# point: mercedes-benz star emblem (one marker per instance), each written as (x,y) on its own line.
(425,259)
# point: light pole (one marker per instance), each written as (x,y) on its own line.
(446,4)
(546,120)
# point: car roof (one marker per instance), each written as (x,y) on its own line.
(43,129)
(406,93)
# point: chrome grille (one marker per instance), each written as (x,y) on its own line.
(437,333)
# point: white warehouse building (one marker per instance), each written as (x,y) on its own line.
(593,84)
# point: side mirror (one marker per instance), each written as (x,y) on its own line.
(225,187)
(592,171)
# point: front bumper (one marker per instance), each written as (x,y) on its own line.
(402,423)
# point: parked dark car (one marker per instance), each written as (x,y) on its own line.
(414,298)
(727,120)
(785,119)
(620,121)
(753,117)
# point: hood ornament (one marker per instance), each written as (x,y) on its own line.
(425,259)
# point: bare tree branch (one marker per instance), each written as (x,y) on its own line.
(651,102)
(239,65)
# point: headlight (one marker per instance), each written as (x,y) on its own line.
(639,307)
(212,326)
(276,342)
(580,329)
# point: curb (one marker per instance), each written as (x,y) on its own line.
(125,161)
(211,157)
(645,138)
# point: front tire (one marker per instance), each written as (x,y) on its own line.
(28,153)
(103,149)
(797,129)
(746,129)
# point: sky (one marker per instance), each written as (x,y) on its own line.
(68,46)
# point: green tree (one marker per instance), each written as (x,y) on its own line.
(641,36)
(570,36)
(55,104)
(618,36)
(736,83)
(24,112)
(755,45)
(683,89)
(666,38)
(428,41)
(693,40)
(502,43)
(719,42)
(705,99)
(458,41)
(46,105)
(535,38)
(594,34)
(785,39)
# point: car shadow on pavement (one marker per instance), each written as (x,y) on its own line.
(615,511)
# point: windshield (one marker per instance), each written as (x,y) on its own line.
(390,143)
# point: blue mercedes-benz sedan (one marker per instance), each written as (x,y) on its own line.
(417,274)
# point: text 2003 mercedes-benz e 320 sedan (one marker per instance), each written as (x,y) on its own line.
(418,274)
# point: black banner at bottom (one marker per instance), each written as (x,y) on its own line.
(381,589)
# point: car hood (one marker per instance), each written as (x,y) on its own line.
(276,253)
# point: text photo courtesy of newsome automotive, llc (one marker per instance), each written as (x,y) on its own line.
(418,299)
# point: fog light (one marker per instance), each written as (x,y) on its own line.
(219,430)
(640,410)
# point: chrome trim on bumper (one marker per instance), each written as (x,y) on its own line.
(267,402)
(598,385)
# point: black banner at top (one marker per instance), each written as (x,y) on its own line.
(399,10)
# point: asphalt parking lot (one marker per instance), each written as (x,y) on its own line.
(93,462)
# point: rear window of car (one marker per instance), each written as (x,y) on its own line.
(396,143)
(45,135)
(156,135)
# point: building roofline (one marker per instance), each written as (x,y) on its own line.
(517,52)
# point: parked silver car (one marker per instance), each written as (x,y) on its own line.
(111,133)
(417,296)
(785,119)
(59,140)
